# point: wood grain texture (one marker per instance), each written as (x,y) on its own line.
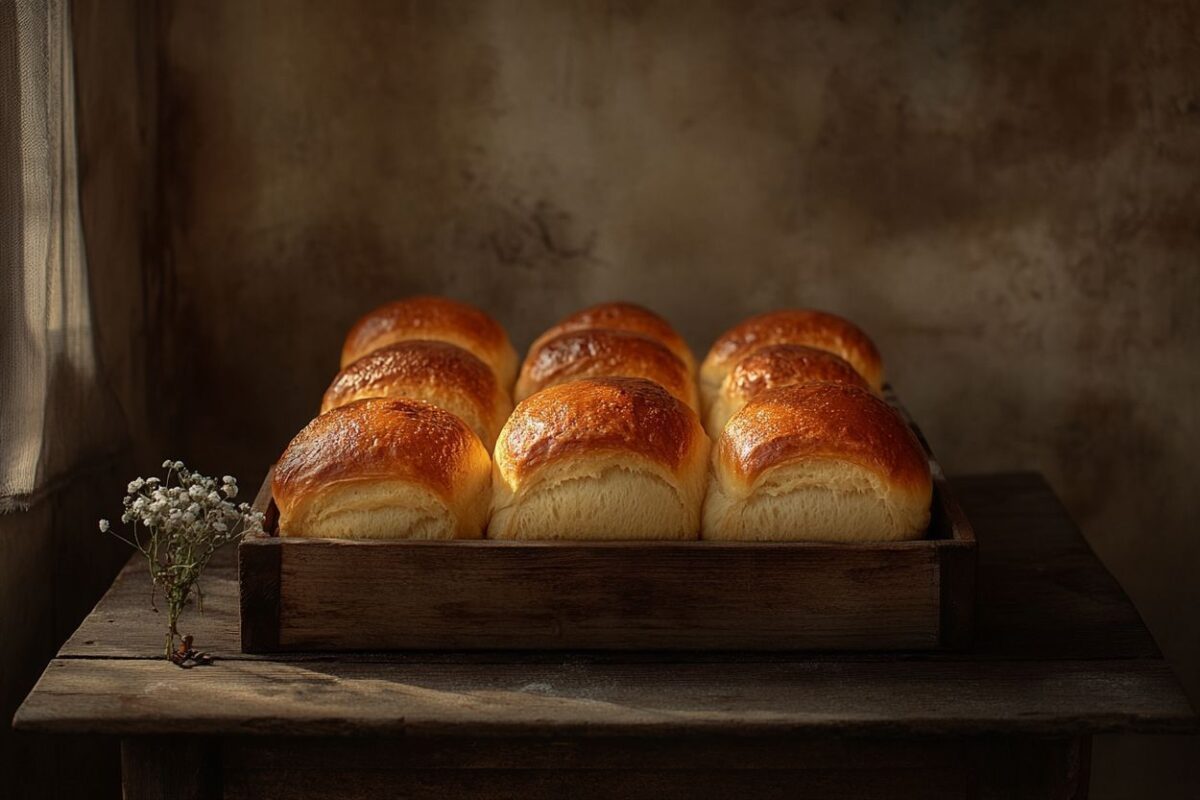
(665,596)
(1059,651)
(259,593)
(579,698)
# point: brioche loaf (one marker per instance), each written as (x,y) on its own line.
(597,353)
(771,367)
(439,373)
(817,462)
(792,326)
(621,316)
(383,469)
(599,458)
(440,319)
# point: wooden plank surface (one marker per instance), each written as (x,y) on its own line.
(1041,591)
(875,698)
(1059,651)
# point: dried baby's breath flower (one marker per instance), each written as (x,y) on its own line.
(178,528)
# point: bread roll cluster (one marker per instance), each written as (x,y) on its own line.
(419,438)
(403,446)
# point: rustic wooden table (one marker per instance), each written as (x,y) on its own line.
(1060,654)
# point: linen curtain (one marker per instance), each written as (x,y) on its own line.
(48,364)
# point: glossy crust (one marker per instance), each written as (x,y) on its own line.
(627,415)
(821,420)
(596,353)
(393,442)
(792,326)
(621,457)
(818,462)
(774,366)
(439,373)
(437,318)
(622,316)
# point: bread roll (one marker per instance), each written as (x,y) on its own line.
(621,316)
(599,458)
(440,319)
(604,353)
(771,367)
(383,469)
(793,326)
(439,373)
(822,462)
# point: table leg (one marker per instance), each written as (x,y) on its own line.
(170,768)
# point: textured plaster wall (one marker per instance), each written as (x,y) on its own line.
(1006,195)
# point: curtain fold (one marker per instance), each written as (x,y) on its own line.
(52,408)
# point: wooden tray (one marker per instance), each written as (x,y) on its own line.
(324,594)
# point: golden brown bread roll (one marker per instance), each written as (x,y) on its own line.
(439,373)
(792,326)
(597,353)
(599,458)
(384,469)
(436,318)
(771,367)
(622,316)
(818,462)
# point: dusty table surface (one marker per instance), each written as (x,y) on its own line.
(1059,650)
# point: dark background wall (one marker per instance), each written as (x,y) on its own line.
(1005,195)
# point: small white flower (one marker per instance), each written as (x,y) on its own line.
(189,517)
(231,490)
(220,526)
(135,485)
(104,526)
(168,464)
